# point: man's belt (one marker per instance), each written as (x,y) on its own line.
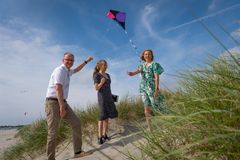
(53,99)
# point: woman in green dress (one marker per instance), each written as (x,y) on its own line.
(149,86)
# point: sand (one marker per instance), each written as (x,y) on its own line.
(124,140)
(7,138)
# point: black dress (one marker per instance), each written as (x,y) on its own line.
(105,100)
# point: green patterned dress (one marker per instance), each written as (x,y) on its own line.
(147,87)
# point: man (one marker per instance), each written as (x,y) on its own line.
(56,106)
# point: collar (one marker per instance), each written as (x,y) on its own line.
(149,63)
(65,68)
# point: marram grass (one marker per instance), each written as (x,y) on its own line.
(32,138)
(205,124)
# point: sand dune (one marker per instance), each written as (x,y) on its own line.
(121,143)
(124,139)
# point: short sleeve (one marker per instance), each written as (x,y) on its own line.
(96,78)
(109,76)
(140,66)
(157,68)
(58,76)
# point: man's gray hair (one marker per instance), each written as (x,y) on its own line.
(68,53)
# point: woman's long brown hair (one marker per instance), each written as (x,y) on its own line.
(98,66)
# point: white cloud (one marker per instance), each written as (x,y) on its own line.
(28,56)
(148,17)
(235,51)
(236,33)
(175,51)
(213,5)
(202,18)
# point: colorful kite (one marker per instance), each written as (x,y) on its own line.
(118,17)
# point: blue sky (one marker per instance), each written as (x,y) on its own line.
(34,34)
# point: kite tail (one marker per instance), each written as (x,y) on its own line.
(132,44)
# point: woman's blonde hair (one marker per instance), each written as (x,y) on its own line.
(98,66)
(142,55)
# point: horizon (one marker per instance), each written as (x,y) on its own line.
(35,35)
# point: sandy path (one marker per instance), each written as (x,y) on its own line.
(121,143)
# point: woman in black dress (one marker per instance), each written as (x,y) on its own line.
(107,107)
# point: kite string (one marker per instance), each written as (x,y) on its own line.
(135,47)
(109,27)
(132,43)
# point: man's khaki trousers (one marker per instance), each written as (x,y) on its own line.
(52,110)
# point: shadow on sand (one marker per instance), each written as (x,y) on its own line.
(129,135)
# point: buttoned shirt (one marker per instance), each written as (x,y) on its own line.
(61,75)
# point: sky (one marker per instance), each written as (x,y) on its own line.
(34,35)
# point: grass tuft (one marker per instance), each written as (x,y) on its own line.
(205,123)
(32,138)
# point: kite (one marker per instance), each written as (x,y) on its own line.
(118,17)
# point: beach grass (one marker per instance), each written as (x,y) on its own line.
(205,120)
(32,138)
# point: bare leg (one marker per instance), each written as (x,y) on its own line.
(105,127)
(100,128)
(147,111)
(100,132)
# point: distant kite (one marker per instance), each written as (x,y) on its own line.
(23,91)
(117,16)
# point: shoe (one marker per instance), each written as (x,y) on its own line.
(106,137)
(81,154)
(101,140)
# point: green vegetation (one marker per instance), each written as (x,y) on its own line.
(205,124)
(32,138)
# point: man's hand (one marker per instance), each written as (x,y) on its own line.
(89,58)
